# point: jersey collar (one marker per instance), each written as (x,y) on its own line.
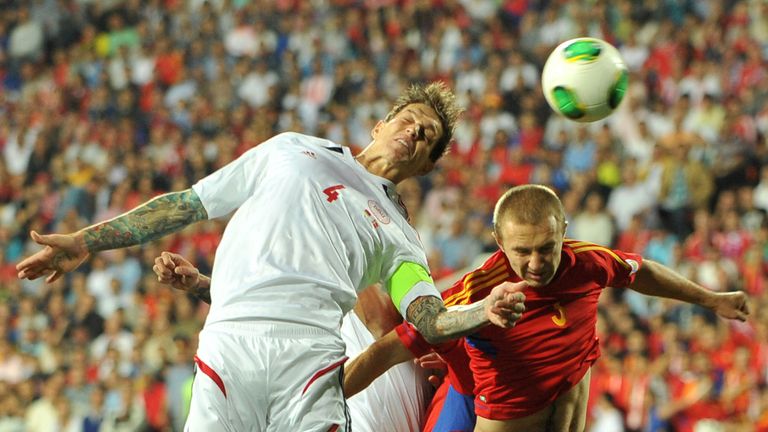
(388,186)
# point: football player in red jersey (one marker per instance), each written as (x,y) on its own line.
(535,376)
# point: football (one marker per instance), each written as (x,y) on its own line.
(584,79)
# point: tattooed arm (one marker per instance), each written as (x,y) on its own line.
(156,218)
(503,307)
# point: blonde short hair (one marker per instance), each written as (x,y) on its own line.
(528,204)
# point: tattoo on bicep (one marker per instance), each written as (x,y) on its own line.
(156,218)
(423,313)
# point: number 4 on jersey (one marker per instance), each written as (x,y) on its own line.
(331,192)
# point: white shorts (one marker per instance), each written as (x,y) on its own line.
(272,377)
(395,401)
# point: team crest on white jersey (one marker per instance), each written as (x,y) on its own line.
(310,153)
(370,218)
(378,212)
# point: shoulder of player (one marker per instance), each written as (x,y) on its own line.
(586,253)
(303,140)
(492,272)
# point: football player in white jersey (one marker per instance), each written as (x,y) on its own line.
(312,226)
(396,400)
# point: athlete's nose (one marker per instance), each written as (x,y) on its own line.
(415,131)
(536,263)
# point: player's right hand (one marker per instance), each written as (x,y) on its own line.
(174,270)
(732,305)
(505,305)
(62,253)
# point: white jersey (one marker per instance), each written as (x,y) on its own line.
(395,401)
(312,227)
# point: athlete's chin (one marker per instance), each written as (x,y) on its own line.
(534,281)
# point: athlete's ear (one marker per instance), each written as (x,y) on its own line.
(498,241)
(376,129)
(565,228)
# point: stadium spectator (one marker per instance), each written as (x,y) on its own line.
(631,198)
(594,224)
(26,39)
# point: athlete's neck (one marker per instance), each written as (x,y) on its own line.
(378,166)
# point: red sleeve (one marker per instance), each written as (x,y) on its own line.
(620,267)
(453,352)
(417,345)
(412,339)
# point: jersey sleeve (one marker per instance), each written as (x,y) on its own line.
(409,282)
(452,352)
(412,340)
(619,267)
(226,189)
(477,284)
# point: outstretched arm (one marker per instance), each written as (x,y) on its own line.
(502,307)
(658,280)
(156,218)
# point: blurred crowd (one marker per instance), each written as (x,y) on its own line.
(104,104)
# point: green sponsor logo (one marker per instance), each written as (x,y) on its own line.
(583,50)
(619,88)
(567,103)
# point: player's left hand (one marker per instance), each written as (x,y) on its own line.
(431,361)
(505,305)
(436,365)
(732,305)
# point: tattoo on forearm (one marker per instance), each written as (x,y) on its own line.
(203,294)
(156,218)
(437,324)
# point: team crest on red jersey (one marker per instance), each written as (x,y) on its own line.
(378,212)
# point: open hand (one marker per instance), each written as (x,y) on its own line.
(436,365)
(505,305)
(431,361)
(61,254)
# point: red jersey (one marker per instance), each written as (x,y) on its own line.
(520,371)
(453,352)
(452,407)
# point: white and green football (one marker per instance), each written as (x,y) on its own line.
(584,79)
